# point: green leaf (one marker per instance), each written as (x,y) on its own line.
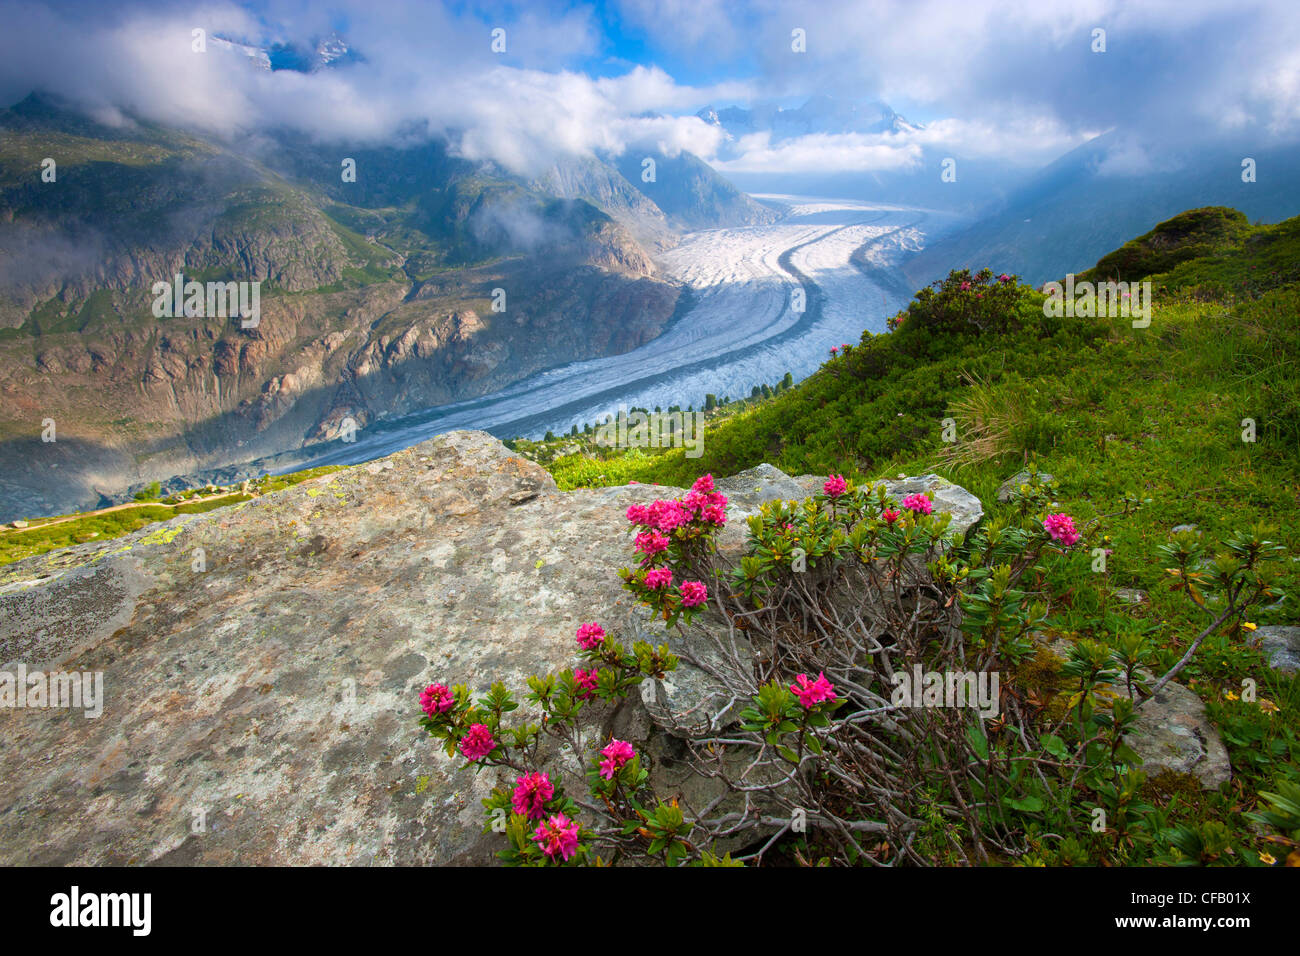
(1024,805)
(1054,745)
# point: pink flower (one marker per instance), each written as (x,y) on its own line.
(590,635)
(587,680)
(665,515)
(658,578)
(716,514)
(965,286)
(1061,528)
(890,515)
(918,503)
(636,514)
(616,754)
(693,593)
(558,836)
(1004,278)
(531,793)
(811,692)
(845,347)
(704,483)
(437,699)
(651,543)
(478,743)
(834,351)
(835,486)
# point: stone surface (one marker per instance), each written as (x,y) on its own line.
(965,508)
(1172,732)
(1009,488)
(748,489)
(276,691)
(1281,645)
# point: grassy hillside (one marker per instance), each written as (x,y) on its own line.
(1143,428)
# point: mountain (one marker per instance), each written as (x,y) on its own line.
(330,50)
(754,141)
(690,193)
(819,114)
(377,291)
(1092,199)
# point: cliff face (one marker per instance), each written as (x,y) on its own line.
(428,280)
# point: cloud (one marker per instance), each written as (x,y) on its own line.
(523,109)
(1171,67)
(1014,80)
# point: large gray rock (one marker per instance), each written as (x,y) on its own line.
(274,695)
(1172,732)
(748,489)
(1281,645)
(966,509)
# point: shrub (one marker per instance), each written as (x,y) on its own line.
(869,645)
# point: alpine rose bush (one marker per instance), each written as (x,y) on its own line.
(867,593)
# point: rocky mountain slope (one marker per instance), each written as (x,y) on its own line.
(424,279)
(1041,230)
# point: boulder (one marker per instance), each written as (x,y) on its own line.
(751,488)
(1281,645)
(966,509)
(1172,732)
(273,695)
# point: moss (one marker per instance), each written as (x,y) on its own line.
(1165,786)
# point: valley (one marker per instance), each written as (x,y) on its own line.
(741,327)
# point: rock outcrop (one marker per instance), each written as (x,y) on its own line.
(261,664)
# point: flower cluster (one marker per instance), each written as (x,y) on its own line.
(693,593)
(835,486)
(617,753)
(478,743)
(558,837)
(1061,528)
(590,635)
(532,790)
(436,699)
(918,503)
(658,578)
(671,534)
(588,681)
(812,692)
